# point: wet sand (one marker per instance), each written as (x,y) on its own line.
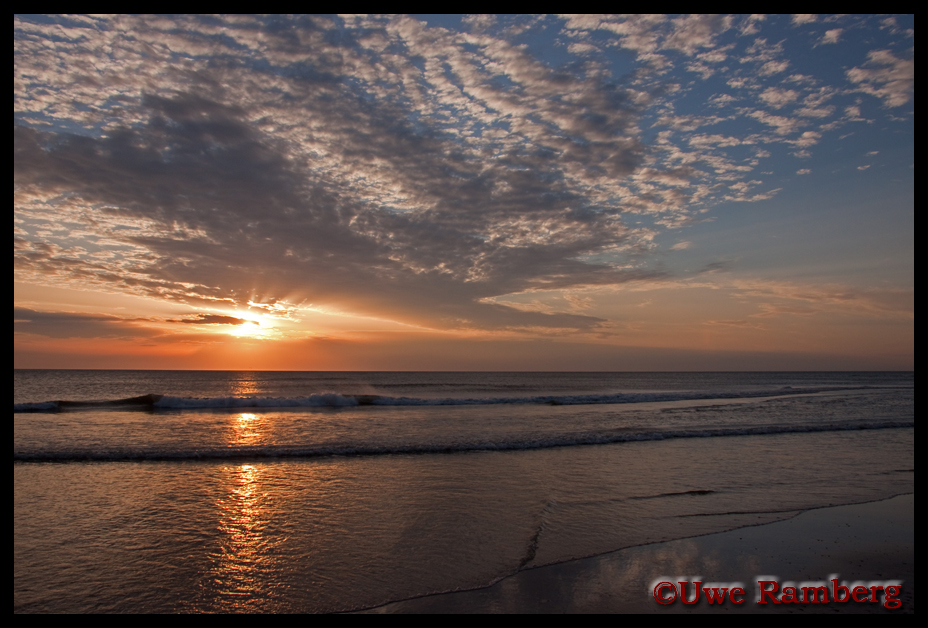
(868,542)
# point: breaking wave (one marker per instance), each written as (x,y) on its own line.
(336,400)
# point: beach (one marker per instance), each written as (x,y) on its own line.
(861,542)
(321,492)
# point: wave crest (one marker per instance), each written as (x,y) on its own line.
(336,400)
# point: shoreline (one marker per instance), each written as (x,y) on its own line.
(866,541)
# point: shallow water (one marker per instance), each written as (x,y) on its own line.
(245,508)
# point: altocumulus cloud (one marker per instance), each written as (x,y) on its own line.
(381,165)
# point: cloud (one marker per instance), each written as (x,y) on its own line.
(383,166)
(371,198)
(808,138)
(892,25)
(773,67)
(76,325)
(885,76)
(692,32)
(783,297)
(690,35)
(735,323)
(777,97)
(831,36)
(480,22)
(815,112)
(783,125)
(749,24)
(582,48)
(211,319)
(804,18)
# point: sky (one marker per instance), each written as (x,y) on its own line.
(586,193)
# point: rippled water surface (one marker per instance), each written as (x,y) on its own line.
(234,497)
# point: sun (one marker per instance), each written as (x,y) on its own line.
(255,326)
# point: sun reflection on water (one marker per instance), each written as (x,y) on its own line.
(247,429)
(245,387)
(244,573)
(242,576)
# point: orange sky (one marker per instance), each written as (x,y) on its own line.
(686,328)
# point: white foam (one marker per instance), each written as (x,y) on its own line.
(333,399)
(312,401)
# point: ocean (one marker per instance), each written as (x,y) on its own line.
(230,491)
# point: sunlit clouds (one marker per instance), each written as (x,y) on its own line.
(283,188)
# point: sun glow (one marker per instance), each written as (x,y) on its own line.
(254,326)
(248,329)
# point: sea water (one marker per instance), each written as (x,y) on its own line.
(196,491)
